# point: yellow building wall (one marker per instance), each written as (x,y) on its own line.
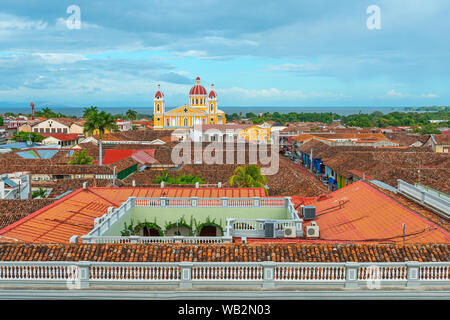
(96,132)
(255,134)
(440,148)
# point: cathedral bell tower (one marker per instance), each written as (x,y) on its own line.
(158,108)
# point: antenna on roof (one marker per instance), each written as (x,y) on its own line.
(100,152)
(114,176)
(404,229)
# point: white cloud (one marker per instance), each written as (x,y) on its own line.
(393,93)
(60,58)
(277,93)
(429,95)
(291,67)
(9,22)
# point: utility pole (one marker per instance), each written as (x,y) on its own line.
(100,153)
(404,235)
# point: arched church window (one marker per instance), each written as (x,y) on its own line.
(185,122)
(196,101)
(212,107)
(157,107)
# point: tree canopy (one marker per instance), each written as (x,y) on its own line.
(248,177)
(374,119)
(100,121)
(27,136)
(81,157)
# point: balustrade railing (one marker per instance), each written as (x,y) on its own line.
(150,240)
(75,275)
(102,224)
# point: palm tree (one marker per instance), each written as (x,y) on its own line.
(131,115)
(100,121)
(41,192)
(163,177)
(47,112)
(81,157)
(88,111)
(248,177)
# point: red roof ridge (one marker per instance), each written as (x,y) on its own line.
(34,214)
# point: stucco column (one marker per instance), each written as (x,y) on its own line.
(268,274)
(186,274)
(351,278)
(412,274)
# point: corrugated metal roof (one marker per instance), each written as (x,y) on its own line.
(9,182)
(383,185)
(144,156)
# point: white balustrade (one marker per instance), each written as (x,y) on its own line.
(36,273)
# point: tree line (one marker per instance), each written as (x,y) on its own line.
(364,120)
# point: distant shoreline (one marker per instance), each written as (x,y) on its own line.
(341,110)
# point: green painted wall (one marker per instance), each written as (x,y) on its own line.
(164,216)
(126,172)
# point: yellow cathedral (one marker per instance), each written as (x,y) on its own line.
(202,109)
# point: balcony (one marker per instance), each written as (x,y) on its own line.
(236,217)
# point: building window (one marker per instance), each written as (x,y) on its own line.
(196,101)
(157,107)
(212,107)
(65,130)
(36,130)
(185,122)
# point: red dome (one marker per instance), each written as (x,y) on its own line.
(198,89)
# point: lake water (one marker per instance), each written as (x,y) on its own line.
(73,111)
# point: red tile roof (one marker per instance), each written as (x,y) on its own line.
(360,213)
(74,214)
(312,252)
(360,174)
(61,136)
(114,155)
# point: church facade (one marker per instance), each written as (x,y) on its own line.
(202,109)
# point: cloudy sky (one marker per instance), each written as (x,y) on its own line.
(260,53)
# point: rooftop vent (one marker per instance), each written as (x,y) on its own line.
(308,212)
(270,229)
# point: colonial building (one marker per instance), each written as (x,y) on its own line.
(202,109)
(230,132)
(59,125)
